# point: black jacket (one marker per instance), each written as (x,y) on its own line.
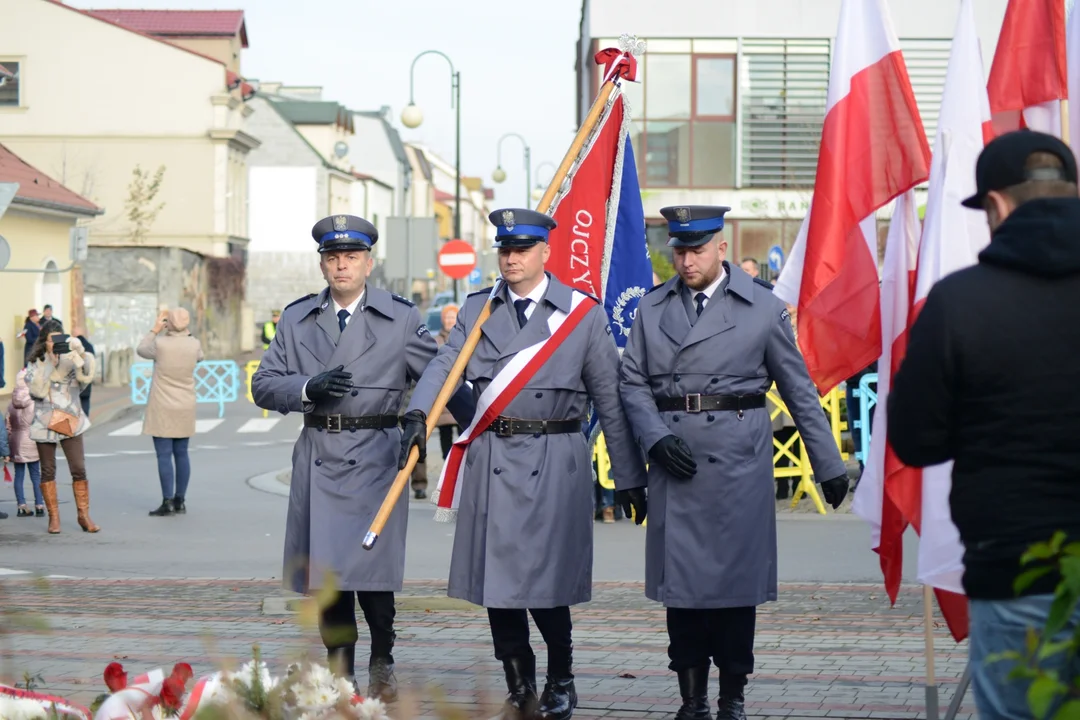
(991,380)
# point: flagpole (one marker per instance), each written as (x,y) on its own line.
(1064,120)
(928,628)
(592,120)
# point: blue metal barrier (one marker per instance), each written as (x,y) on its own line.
(216,381)
(867,400)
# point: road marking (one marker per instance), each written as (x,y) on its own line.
(207,424)
(134,428)
(260,443)
(135,452)
(10,571)
(259,425)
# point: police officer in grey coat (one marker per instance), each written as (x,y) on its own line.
(524,533)
(704,349)
(342,358)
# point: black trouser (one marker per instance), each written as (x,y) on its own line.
(725,635)
(510,635)
(446,438)
(337,623)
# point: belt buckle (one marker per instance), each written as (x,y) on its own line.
(693,403)
(504,427)
(333,423)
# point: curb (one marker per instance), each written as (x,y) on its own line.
(269,483)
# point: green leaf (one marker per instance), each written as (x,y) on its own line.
(1063,606)
(1041,695)
(1031,641)
(1072,549)
(1053,648)
(1068,711)
(1004,655)
(1070,573)
(1038,551)
(1028,577)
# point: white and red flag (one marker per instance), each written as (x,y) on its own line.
(873,148)
(1072,52)
(1028,76)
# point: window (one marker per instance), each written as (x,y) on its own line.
(683,111)
(783,108)
(9,83)
(927,61)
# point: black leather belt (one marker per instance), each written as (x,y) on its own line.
(697,402)
(505,427)
(337,423)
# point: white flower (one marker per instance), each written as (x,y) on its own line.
(320,675)
(21,709)
(371,709)
(344,687)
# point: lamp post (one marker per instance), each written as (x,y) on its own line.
(538,191)
(411,117)
(500,175)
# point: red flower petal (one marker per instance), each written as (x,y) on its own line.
(183,671)
(172,692)
(115,677)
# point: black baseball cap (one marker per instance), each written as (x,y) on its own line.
(1001,163)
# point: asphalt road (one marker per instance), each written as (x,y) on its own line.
(233,530)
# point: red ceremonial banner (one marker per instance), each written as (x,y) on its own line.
(577,243)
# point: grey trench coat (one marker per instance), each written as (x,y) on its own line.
(711,540)
(524,535)
(340,479)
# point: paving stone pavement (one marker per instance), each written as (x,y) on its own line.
(822,650)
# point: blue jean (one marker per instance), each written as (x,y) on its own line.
(35,480)
(167,450)
(999,625)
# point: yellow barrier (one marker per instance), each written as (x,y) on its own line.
(800,463)
(250,369)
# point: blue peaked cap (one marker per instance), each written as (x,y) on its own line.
(344,232)
(693,225)
(518,227)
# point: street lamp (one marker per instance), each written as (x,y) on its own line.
(538,191)
(500,175)
(411,117)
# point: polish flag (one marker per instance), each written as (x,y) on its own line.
(872,503)
(1073,59)
(952,238)
(873,148)
(1028,76)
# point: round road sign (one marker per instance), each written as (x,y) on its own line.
(457,259)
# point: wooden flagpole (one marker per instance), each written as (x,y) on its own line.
(1064,102)
(596,113)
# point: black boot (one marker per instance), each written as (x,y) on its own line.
(178,506)
(730,705)
(342,662)
(694,689)
(382,683)
(521,684)
(166,508)
(559,699)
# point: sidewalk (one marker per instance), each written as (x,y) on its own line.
(822,651)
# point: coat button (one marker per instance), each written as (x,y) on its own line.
(352,462)
(535,473)
(715,380)
(318,462)
(675,418)
(710,418)
(536,435)
(539,395)
(678,378)
(355,393)
(712,459)
(498,471)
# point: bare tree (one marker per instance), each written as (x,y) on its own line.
(141,210)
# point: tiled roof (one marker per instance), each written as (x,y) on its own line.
(179,23)
(36,188)
(443,197)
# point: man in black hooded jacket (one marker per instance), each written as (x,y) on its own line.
(991,381)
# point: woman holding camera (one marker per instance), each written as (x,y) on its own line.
(58,370)
(170,410)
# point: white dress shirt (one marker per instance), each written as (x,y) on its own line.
(709,290)
(536,296)
(351,307)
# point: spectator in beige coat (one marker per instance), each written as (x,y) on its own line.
(170,410)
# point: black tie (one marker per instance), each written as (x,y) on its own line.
(343,315)
(700,299)
(520,306)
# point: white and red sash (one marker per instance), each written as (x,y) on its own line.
(504,387)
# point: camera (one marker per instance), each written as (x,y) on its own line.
(61,346)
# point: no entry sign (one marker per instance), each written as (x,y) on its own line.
(457,259)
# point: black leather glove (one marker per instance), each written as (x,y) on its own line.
(414,432)
(332,383)
(633,499)
(674,456)
(835,490)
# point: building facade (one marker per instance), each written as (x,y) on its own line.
(730,100)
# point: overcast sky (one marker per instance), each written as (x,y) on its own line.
(516,59)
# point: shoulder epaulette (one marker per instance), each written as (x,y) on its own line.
(402,300)
(298,300)
(485,291)
(655,287)
(764,283)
